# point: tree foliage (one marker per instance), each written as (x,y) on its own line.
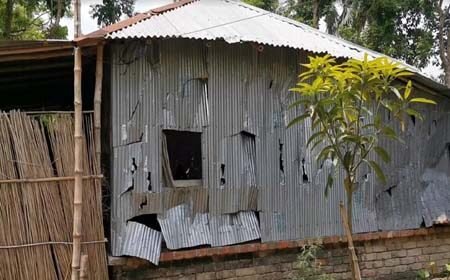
(400,28)
(345,103)
(110,11)
(268,5)
(33,19)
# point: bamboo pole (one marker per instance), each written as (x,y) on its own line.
(356,273)
(76,18)
(98,106)
(84,267)
(78,172)
(49,179)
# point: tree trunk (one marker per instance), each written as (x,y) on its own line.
(59,8)
(315,20)
(356,272)
(76,18)
(349,187)
(349,210)
(8,19)
(447,75)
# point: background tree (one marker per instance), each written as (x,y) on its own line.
(57,9)
(33,19)
(111,10)
(398,28)
(442,22)
(310,11)
(268,5)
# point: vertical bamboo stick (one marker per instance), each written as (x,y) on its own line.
(356,273)
(76,18)
(78,171)
(98,106)
(84,267)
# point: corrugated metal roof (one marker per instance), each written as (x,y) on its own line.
(238,22)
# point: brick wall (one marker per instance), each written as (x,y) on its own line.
(384,255)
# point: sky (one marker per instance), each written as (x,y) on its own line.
(88,24)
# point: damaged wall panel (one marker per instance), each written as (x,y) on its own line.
(237,96)
(142,242)
(182,228)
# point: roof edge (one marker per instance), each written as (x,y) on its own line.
(100,34)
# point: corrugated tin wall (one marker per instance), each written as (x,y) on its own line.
(237,97)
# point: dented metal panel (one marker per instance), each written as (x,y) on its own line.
(234,228)
(182,228)
(142,242)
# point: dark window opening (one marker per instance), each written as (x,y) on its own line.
(184,154)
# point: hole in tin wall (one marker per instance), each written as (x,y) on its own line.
(305,176)
(133,165)
(270,84)
(413,119)
(149,220)
(222,174)
(143,203)
(280,147)
(149,181)
(389,190)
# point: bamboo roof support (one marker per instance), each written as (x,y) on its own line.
(98,106)
(78,172)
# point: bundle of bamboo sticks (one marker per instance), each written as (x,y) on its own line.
(36,217)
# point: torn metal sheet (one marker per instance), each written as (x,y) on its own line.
(142,242)
(196,197)
(232,200)
(147,203)
(234,228)
(436,198)
(436,195)
(182,228)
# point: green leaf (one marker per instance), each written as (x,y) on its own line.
(314,136)
(423,100)
(298,102)
(408,89)
(382,153)
(389,132)
(395,90)
(297,119)
(378,171)
(347,159)
(447,267)
(414,113)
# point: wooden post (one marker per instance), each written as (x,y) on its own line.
(84,267)
(356,273)
(76,18)
(98,106)
(78,172)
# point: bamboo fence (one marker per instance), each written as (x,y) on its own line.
(36,216)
